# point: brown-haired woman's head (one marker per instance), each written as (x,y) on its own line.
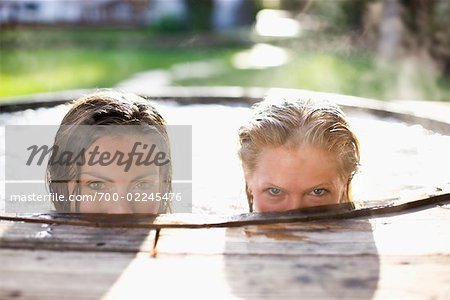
(297,153)
(103,158)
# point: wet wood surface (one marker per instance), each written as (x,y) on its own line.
(327,212)
(385,257)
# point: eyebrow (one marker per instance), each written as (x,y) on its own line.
(323,184)
(111,180)
(271,184)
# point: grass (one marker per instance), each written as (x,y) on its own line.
(52,59)
(24,71)
(355,74)
(33,61)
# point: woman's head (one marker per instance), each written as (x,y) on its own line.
(120,150)
(297,153)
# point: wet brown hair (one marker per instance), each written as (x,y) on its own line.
(293,122)
(104,108)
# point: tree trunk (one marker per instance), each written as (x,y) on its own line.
(390,32)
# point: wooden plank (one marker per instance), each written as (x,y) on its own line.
(425,232)
(44,274)
(75,238)
(349,237)
(339,211)
(338,277)
(394,235)
(414,277)
(402,256)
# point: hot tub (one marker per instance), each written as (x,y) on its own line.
(401,153)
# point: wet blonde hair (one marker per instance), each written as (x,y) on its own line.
(297,122)
(104,108)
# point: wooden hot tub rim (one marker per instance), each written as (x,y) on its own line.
(193,221)
(236,95)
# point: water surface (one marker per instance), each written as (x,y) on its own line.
(397,159)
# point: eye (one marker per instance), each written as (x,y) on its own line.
(96,185)
(274,191)
(318,192)
(143,185)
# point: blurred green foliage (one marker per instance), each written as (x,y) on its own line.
(350,74)
(32,71)
(43,60)
(199,14)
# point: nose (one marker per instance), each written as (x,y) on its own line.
(121,205)
(295,202)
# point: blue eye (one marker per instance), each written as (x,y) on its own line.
(318,192)
(274,191)
(96,185)
(143,185)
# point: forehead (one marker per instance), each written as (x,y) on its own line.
(119,142)
(120,138)
(121,146)
(306,165)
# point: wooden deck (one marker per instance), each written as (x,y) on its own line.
(396,256)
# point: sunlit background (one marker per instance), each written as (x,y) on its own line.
(383,49)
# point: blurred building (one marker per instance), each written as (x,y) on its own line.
(224,14)
(133,12)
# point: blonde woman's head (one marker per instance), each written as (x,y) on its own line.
(297,153)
